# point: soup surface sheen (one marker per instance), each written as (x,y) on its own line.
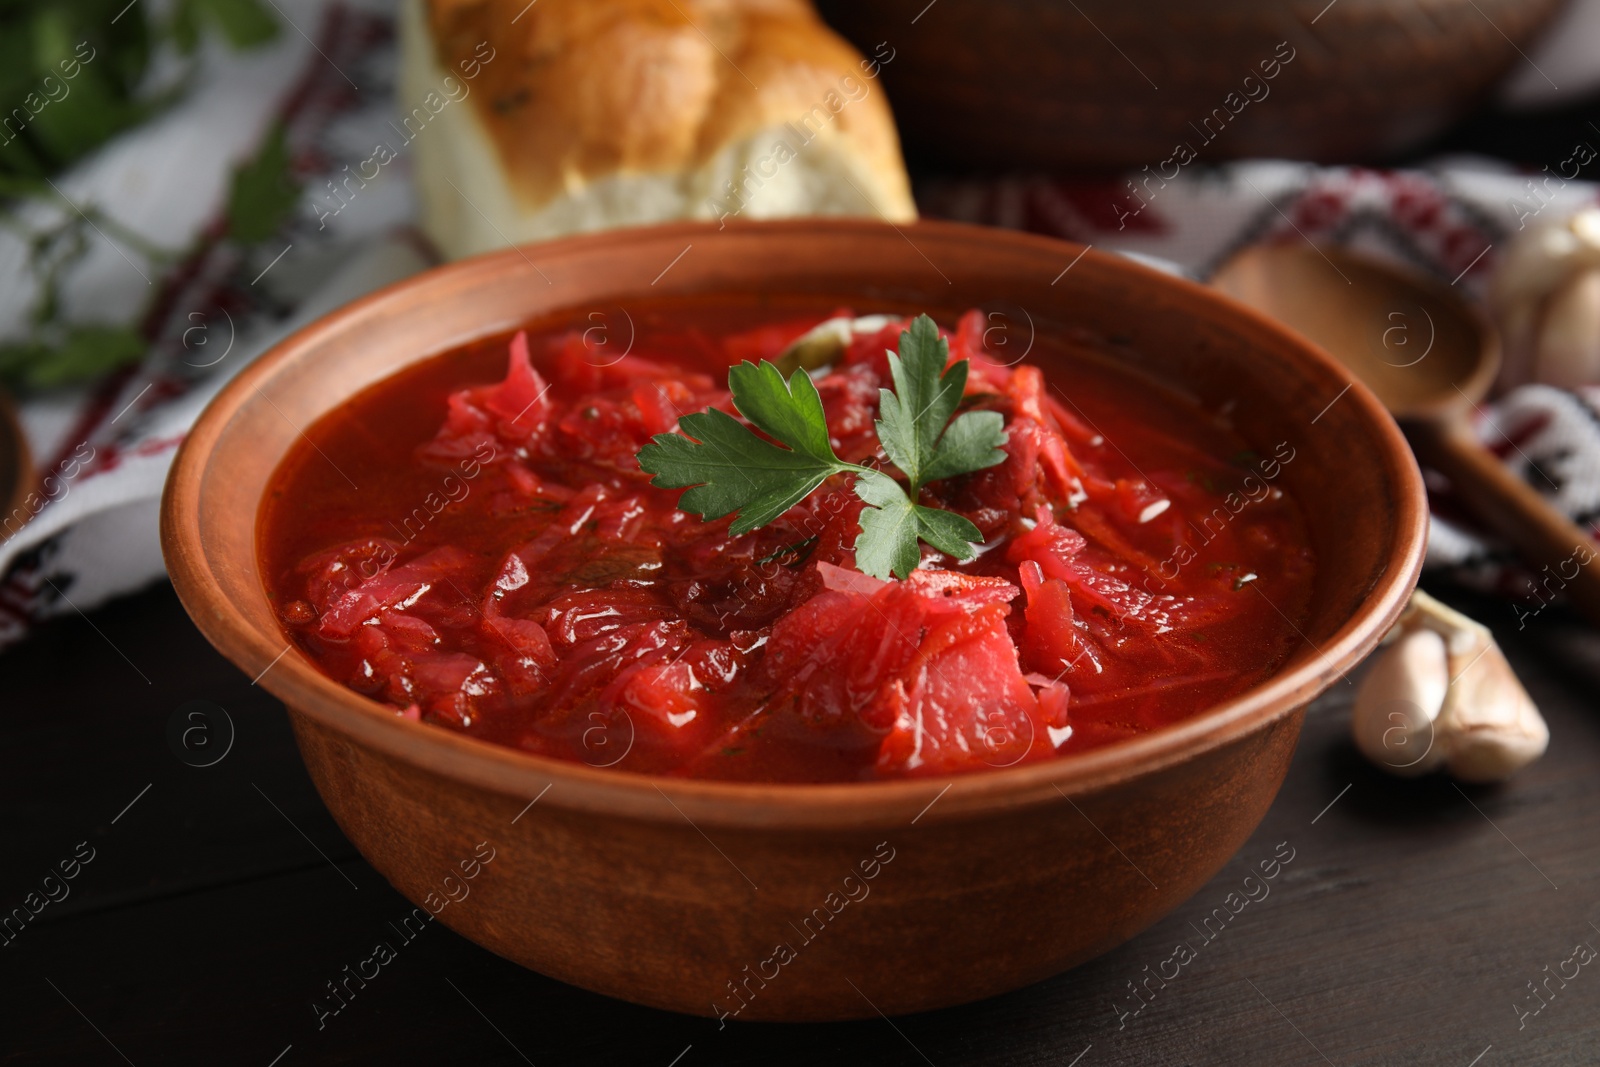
(479,549)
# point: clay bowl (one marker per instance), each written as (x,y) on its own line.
(1109,84)
(16,467)
(663,891)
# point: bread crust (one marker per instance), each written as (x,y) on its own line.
(580,90)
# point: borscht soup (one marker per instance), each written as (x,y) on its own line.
(849,571)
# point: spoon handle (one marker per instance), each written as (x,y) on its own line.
(1564,556)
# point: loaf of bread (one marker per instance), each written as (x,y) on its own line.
(527,120)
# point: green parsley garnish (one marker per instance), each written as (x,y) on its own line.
(726,468)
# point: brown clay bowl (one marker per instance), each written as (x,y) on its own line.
(1110,84)
(16,468)
(663,891)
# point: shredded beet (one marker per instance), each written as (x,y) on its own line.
(506,570)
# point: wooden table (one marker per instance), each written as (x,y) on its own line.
(220,899)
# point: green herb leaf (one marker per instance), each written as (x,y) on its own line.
(952,534)
(263,192)
(788,411)
(888,540)
(892,525)
(184,27)
(245,23)
(83,353)
(726,467)
(912,419)
(17,356)
(731,469)
(971,443)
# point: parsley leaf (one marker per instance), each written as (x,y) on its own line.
(726,467)
(730,468)
(888,541)
(912,419)
(84,352)
(263,192)
(971,443)
(892,525)
(952,534)
(789,411)
(245,23)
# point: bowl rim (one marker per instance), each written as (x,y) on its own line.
(17,478)
(524,777)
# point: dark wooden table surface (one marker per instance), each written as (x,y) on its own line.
(219,899)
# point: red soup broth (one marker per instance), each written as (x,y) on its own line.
(477,548)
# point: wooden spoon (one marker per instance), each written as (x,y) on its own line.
(1430,358)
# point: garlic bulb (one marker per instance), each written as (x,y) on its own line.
(1440,693)
(1567,352)
(1547,300)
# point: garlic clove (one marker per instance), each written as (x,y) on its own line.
(1585,226)
(1539,263)
(825,343)
(1567,353)
(1441,693)
(1489,727)
(1398,702)
(1519,327)
(1534,265)
(1464,636)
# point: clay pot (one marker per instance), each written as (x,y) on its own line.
(664,891)
(17,480)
